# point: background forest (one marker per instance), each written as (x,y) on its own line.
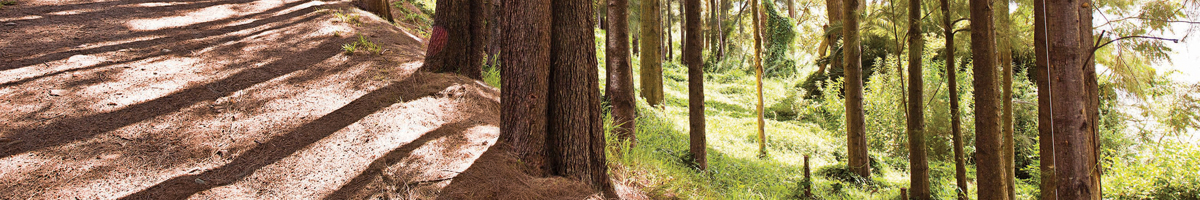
(1148,113)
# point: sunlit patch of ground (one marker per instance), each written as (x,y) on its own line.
(226,99)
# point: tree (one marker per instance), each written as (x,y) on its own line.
(758,72)
(960,161)
(620,74)
(1069,47)
(856,133)
(1004,59)
(463,26)
(379,7)
(551,108)
(990,171)
(1046,145)
(917,158)
(834,10)
(651,70)
(691,58)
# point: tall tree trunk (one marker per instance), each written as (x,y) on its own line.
(463,25)
(960,161)
(917,158)
(1004,59)
(620,85)
(551,103)
(856,133)
(1091,85)
(576,130)
(834,10)
(524,38)
(1045,134)
(987,122)
(670,38)
(695,65)
(602,14)
(758,72)
(651,69)
(1071,114)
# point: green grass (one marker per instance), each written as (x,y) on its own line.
(660,162)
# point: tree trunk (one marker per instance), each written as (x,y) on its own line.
(960,161)
(1071,115)
(791,4)
(670,38)
(834,10)
(463,24)
(1091,85)
(379,7)
(620,80)
(1045,143)
(524,38)
(990,171)
(1004,59)
(652,88)
(691,58)
(917,158)
(758,72)
(602,14)
(576,129)
(856,133)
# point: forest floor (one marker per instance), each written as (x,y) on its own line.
(250,99)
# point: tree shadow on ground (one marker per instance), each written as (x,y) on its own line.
(285,145)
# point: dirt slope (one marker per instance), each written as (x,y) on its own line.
(163,99)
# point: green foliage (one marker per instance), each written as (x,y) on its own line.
(1169,170)
(347,17)
(491,73)
(778,36)
(421,16)
(7,3)
(350,48)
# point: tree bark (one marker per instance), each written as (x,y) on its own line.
(692,58)
(575,128)
(988,141)
(1091,85)
(960,161)
(620,86)
(1004,59)
(379,7)
(651,70)
(758,75)
(916,117)
(1045,143)
(1071,115)
(464,25)
(855,129)
(834,10)
(524,38)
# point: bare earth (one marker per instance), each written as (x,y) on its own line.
(217,99)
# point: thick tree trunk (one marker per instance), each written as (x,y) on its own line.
(856,133)
(1042,64)
(758,75)
(620,80)
(524,38)
(379,7)
(575,128)
(695,65)
(917,158)
(463,24)
(651,70)
(1073,135)
(987,122)
(1004,59)
(960,161)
